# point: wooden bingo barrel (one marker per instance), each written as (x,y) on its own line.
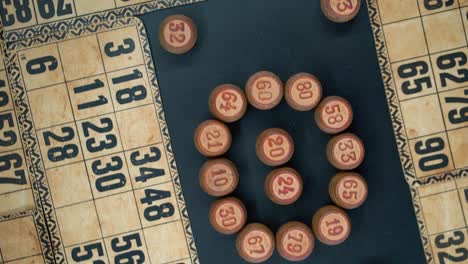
(295,241)
(303,91)
(274,147)
(264,90)
(283,186)
(178,34)
(334,114)
(331,225)
(255,243)
(345,151)
(219,177)
(340,10)
(228,215)
(348,190)
(228,103)
(212,138)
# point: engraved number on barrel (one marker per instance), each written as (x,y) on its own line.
(415,81)
(108,143)
(350,185)
(431,160)
(458,115)
(220,177)
(436,4)
(295,245)
(147,173)
(228,216)
(87,252)
(264,93)
(453,61)
(350,154)
(334,227)
(123,249)
(335,111)
(345,5)
(287,184)
(229,98)
(107,181)
(157,211)
(212,139)
(256,245)
(277,150)
(60,153)
(456,239)
(48,9)
(6,163)
(22,12)
(305,90)
(176,27)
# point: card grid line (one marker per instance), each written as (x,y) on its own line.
(23,258)
(91,117)
(86,168)
(429,54)
(425,224)
(420,15)
(110,195)
(15,191)
(463,19)
(457,191)
(177,261)
(461,204)
(68,81)
(438,98)
(103,238)
(125,157)
(443,232)
(434,93)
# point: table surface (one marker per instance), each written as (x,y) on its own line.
(238,38)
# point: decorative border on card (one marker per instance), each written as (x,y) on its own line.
(25,125)
(82,21)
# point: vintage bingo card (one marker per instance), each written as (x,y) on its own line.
(24,239)
(423,54)
(442,211)
(24,18)
(15,185)
(422,50)
(104,145)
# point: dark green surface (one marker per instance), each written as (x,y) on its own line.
(240,37)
